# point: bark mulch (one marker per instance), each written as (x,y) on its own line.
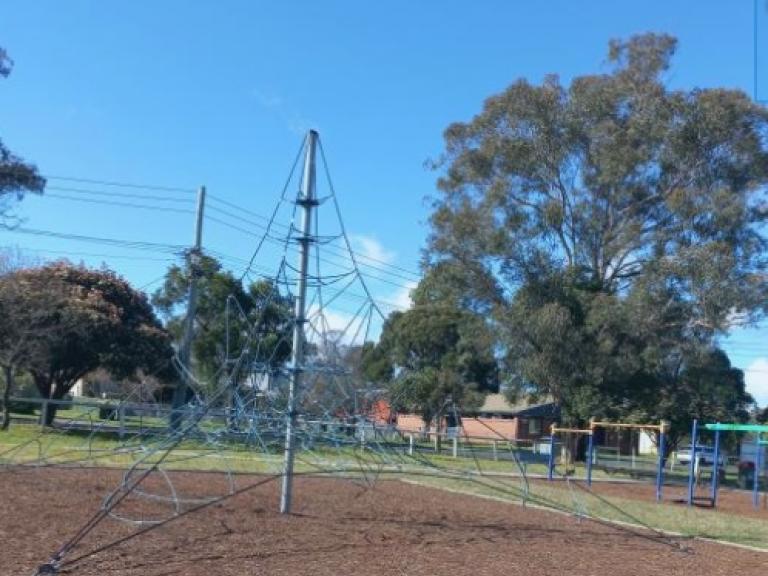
(338,528)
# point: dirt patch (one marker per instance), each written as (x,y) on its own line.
(338,528)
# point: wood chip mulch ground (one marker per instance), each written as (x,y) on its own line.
(338,528)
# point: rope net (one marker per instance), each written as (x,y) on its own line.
(233,426)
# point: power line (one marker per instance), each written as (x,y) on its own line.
(121,204)
(132,244)
(143,287)
(120,194)
(171,249)
(276,241)
(348,256)
(364,259)
(121,184)
(98,255)
(285,227)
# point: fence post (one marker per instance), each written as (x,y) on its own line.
(495,450)
(551,462)
(410,444)
(590,449)
(660,464)
(43,412)
(455,447)
(121,419)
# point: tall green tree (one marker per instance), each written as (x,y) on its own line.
(622,218)
(704,386)
(249,325)
(17,177)
(436,355)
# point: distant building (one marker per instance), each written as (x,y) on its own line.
(496,419)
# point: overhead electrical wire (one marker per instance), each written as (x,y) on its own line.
(271,239)
(100,255)
(342,252)
(362,259)
(131,244)
(339,251)
(276,241)
(122,204)
(121,184)
(175,250)
(130,195)
(387,271)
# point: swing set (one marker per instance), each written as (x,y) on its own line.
(761,441)
(569,459)
(591,455)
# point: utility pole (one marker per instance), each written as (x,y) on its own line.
(307,201)
(185,351)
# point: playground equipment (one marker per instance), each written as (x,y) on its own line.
(569,458)
(660,428)
(590,432)
(760,442)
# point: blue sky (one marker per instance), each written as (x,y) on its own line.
(180,94)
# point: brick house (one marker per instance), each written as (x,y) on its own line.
(496,419)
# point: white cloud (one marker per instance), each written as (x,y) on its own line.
(374,253)
(334,320)
(756,378)
(371,249)
(333,324)
(402,298)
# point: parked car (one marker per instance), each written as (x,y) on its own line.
(706,456)
(747,459)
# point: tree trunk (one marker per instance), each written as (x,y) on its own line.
(50,414)
(7,397)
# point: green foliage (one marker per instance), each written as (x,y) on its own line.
(6,64)
(706,387)
(625,221)
(375,363)
(436,354)
(16,176)
(80,319)
(227,314)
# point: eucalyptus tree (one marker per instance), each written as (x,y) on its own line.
(17,177)
(621,219)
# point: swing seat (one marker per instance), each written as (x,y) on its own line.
(707,501)
(699,501)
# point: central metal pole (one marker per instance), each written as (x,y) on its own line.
(307,201)
(185,350)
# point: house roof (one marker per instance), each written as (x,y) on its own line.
(498,404)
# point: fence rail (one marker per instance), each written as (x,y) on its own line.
(125,419)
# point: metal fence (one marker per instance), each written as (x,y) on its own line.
(128,419)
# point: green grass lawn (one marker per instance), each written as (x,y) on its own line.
(28,444)
(666,517)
